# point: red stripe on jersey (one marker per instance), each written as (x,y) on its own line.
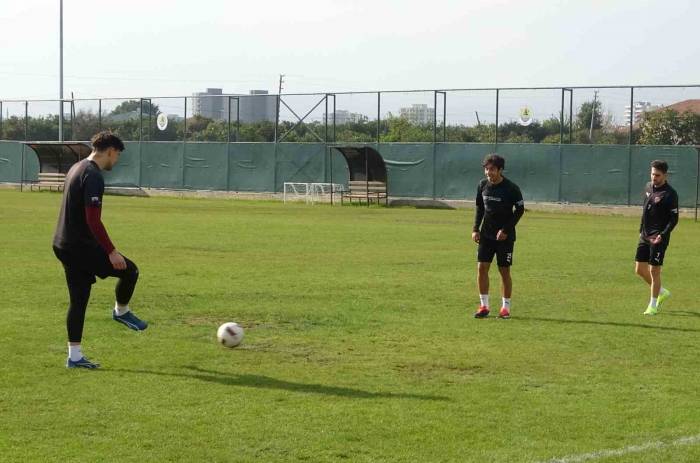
(94,221)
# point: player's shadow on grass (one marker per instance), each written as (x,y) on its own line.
(683,313)
(609,323)
(265,382)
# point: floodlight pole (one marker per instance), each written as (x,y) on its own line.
(60,74)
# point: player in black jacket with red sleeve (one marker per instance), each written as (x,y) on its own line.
(659,218)
(499,204)
(82,245)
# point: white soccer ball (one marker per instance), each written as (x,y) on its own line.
(230,334)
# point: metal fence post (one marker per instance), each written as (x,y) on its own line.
(238,119)
(435,116)
(325,122)
(631,125)
(697,183)
(184,145)
(571,116)
(379,116)
(228,121)
(21,174)
(26,120)
(444,117)
(141,121)
(330,155)
(434,137)
(228,147)
(184,127)
(277,115)
(497,100)
(561,119)
(629,149)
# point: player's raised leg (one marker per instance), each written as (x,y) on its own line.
(124,289)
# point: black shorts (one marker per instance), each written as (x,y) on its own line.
(502,249)
(84,264)
(651,253)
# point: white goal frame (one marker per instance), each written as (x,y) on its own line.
(297,191)
(310,192)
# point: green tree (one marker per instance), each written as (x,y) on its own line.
(588,109)
(131,106)
(13,128)
(85,125)
(400,129)
(668,127)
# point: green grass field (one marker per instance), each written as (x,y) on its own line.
(360,345)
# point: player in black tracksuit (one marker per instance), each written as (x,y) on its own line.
(82,245)
(499,204)
(659,218)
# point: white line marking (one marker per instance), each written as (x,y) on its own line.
(689,440)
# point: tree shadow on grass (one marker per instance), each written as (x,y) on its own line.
(265,382)
(610,323)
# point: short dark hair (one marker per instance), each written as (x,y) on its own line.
(104,140)
(495,160)
(660,165)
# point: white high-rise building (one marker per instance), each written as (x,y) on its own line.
(257,106)
(343,116)
(640,107)
(418,114)
(209,104)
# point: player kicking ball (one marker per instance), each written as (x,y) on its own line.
(82,245)
(499,204)
(659,218)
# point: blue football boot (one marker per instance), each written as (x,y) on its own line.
(82,363)
(130,320)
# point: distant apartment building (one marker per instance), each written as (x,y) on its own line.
(418,114)
(343,116)
(640,107)
(209,104)
(256,106)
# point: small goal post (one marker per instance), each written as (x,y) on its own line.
(297,192)
(311,192)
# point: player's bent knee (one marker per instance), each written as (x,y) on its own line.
(132,271)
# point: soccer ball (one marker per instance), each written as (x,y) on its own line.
(230,334)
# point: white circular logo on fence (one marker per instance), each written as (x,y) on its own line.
(525,116)
(162,121)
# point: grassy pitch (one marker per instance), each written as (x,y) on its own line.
(360,345)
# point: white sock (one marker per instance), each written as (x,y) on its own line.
(120,309)
(506,303)
(484,300)
(74,352)
(653,302)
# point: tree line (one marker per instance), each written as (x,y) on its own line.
(132,122)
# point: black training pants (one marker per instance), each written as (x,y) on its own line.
(81,266)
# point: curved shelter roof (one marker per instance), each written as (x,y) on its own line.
(58,157)
(364,163)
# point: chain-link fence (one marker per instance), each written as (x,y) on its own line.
(626,115)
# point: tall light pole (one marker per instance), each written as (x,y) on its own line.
(60,76)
